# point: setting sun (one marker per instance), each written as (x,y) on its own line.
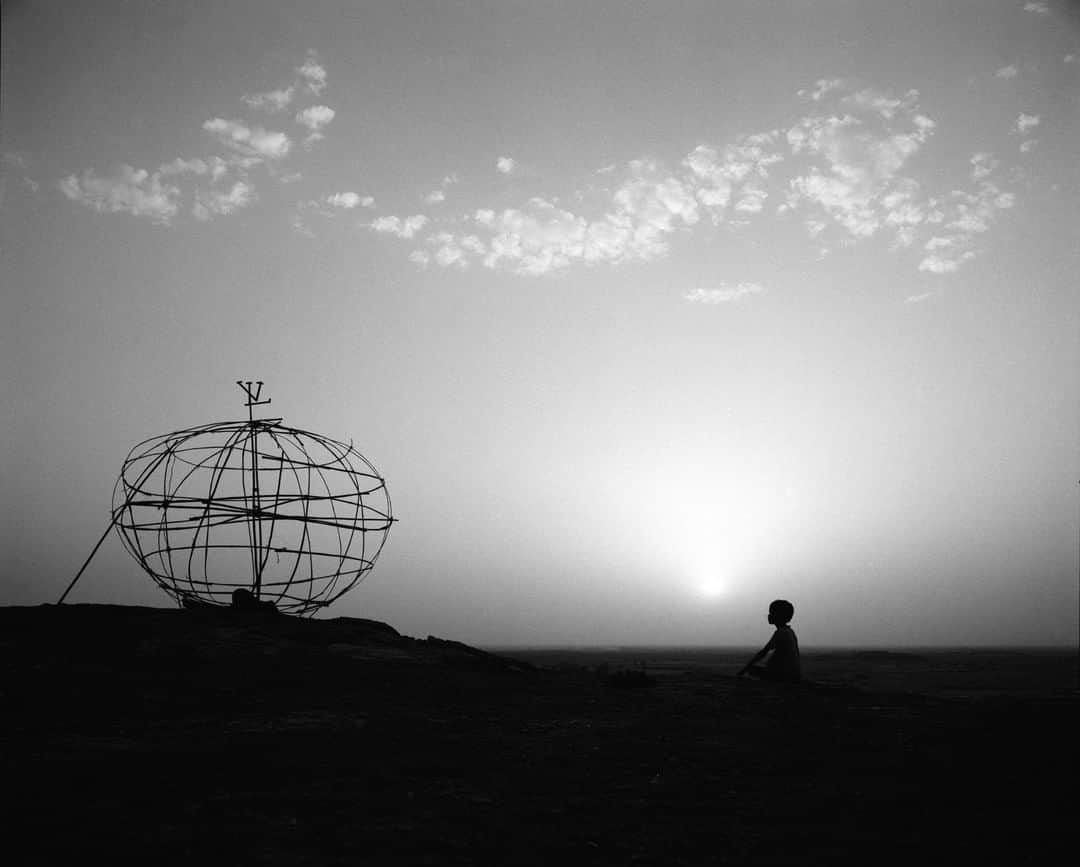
(713,589)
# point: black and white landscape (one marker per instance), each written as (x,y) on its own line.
(648,314)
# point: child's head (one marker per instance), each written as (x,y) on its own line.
(780,612)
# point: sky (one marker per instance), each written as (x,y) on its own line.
(649,313)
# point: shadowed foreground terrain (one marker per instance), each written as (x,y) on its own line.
(176,737)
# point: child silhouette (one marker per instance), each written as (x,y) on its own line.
(783,666)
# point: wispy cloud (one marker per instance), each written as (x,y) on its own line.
(253,141)
(327,208)
(506,165)
(214,167)
(215,203)
(270,100)
(843,170)
(439,194)
(315,118)
(982,165)
(310,77)
(1038,7)
(724,294)
(128,190)
(856,178)
(733,173)
(965,215)
(534,240)
(160,194)
(1025,122)
(313,73)
(1007,72)
(349,200)
(646,207)
(402,227)
(918,299)
(446,250)
(822,88)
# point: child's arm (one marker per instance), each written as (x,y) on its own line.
(757,656)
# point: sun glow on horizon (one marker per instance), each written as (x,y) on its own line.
(713,589)
(715,525)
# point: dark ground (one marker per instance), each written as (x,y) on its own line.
(174,737)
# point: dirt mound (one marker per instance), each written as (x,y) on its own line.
(122,635)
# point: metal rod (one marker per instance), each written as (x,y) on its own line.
(255,528)
(256,524)
(78,575)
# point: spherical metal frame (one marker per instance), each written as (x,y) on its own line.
(294,517)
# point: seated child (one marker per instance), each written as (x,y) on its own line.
(783,666)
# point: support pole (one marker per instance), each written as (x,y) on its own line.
(108,529)
(255,526)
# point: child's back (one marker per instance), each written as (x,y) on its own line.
(784,664)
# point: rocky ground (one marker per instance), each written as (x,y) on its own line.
(178,737)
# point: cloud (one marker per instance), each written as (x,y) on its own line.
(313,73)
(1024,122)
(880,103)
(716,174)
(1028,146)
(982,165)
(1069,58)
(506,165)
(127,190)
(1039,8)
(251,141)
(434,197)
(966,215)
(725,294)
(216,203)
(157,194)
(942,258)
(327,207)
(448,252)
(822,87)
(751,200)
(534,240)
(539,237)
(855,176)
(271,100)
(315,117)
(651,204)
(213,167)
(846,165)
(348,201)
(918,299)
(1007,72)
(401,227)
